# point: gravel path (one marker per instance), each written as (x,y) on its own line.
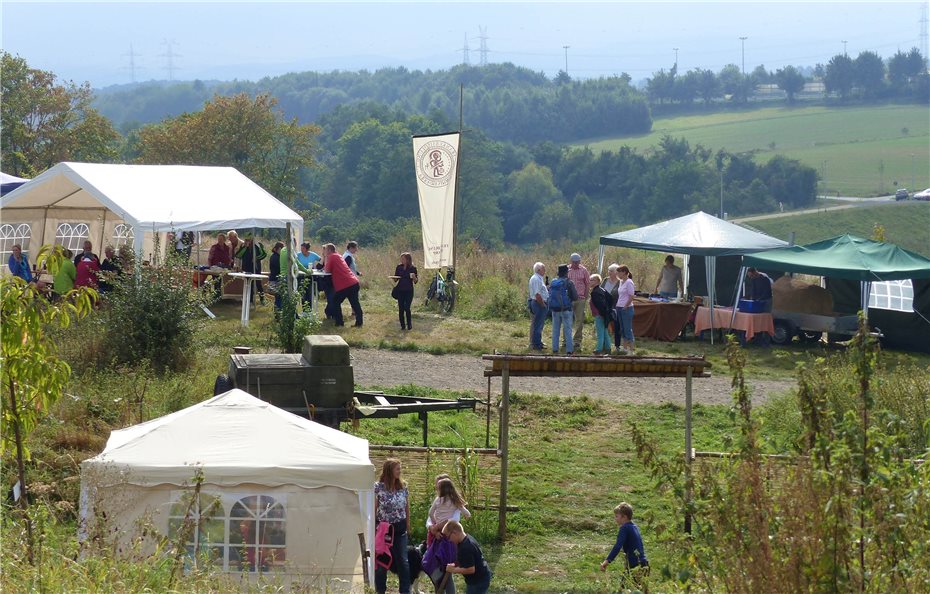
(385,369)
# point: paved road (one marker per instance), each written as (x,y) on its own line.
(850,202)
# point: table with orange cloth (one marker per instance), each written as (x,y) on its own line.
(749,323)
(659,320)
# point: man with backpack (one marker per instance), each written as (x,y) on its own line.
(562,294)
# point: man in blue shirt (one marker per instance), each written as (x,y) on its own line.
(628,540)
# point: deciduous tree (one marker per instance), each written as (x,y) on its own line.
(241,132)
(43,121)
(840,75)
(790,81)
(33,375)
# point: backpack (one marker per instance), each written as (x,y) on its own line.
(558,295)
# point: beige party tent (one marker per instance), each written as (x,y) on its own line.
(280,495)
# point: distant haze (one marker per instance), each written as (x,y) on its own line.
(224,40)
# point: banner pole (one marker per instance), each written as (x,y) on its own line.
(458,167)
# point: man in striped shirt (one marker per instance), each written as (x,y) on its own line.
(579,276)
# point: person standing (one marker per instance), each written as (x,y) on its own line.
(274,274)
(624,309)
(251,253)
(470,562)
(234,246)
(19,264)
(405,277)
(562,297)
(537,304)
(110,269)
(759,288)
(392,506)
(345,286)
(601,306)
(629,541)
(580,277)
(350,257)
(670,282)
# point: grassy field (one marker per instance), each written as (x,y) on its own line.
(571,458)
(906,224)
(848,146)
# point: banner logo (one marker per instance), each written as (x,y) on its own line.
(436,163)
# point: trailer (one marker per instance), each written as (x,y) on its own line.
(319,384)
(811,327)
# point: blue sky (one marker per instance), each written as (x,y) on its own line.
(247,40)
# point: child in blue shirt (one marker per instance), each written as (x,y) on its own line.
(628,540)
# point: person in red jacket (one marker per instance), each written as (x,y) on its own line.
(87,269)
(345,286)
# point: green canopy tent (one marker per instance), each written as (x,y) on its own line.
(852,258)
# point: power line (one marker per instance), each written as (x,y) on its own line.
(132,62)
(483,36)
(170,55)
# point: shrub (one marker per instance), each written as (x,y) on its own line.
(291,325)
(153,317)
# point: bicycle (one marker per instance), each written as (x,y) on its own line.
(443,290)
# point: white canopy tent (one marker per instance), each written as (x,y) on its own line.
(697,234)
(290,492)
(147,198)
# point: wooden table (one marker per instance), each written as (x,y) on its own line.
(228,287)
(659,319)
(749,323)
(247,278)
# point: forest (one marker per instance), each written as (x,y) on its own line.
(350,171)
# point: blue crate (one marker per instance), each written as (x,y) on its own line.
(750,306)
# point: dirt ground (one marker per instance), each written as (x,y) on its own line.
(385,369)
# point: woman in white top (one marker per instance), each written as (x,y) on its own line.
(611,284)
(625,308)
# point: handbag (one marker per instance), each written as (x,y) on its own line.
(395,293)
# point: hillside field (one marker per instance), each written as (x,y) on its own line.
(847,146)
(906,224)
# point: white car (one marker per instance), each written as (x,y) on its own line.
(925,195)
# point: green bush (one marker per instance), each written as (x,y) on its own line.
(153,317)
(291,324)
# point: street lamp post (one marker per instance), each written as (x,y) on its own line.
(743,53)
(913,184)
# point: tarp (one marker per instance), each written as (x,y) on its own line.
(847,257)
(237,438)
(156,198)
(698,234)
(8,183)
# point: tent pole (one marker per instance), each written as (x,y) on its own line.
(600,259)
(710,274)
(290,252)
(103,232)
(739,293)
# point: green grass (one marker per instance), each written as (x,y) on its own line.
(906,224)
(853,141)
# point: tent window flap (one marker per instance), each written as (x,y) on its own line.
(232,532)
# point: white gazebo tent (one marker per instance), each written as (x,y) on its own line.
(697,234)
(280,494)
(145,199)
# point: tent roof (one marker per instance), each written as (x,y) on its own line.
(846,256)
(157,197)
(698,234)
(236,438)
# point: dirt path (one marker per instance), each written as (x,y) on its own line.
(386,369)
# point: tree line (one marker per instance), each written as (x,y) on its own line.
(867,77)
(351,173)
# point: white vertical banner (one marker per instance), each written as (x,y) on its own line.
(436,160)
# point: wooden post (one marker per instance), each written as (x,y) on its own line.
(688,486)
(365,554)
(288,241)
(504,444)
(487,423)
(424,416)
